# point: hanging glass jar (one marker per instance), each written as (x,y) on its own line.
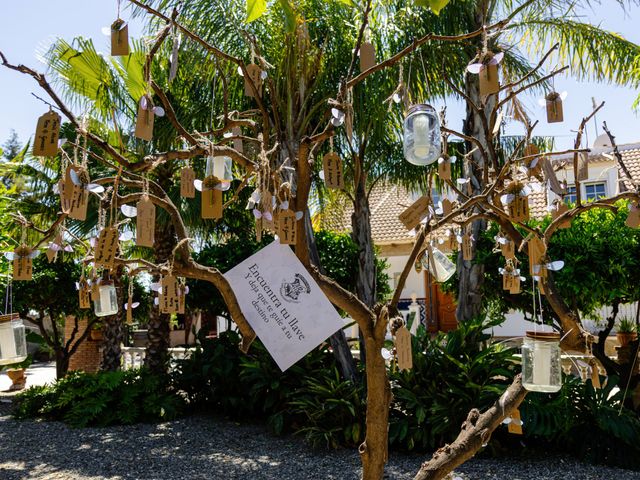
(221,168)
(541,362)
(438,265)
(106,302)
(421,137)
(13,341)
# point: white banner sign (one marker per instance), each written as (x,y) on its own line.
(283,304)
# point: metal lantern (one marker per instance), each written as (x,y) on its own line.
(421,139)
(438,265)
(106,302)
(221,168)
(541,363)
(13,341)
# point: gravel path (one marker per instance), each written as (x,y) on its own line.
(205,448)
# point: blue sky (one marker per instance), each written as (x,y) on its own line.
(30,25)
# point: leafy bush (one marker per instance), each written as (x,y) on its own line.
(452,373)
(101,399)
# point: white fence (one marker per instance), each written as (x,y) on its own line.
(133,357)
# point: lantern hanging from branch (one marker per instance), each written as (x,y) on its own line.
(541,363)
(221,168)
(438,264)
(106,302)
(421,138)
(13,342)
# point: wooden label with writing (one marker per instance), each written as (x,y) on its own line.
(187,176)
(367,56)
(555,113)
(211,201)
(508,250)
(254,73)
(237,142)
(515,425)
(451,242)
(447,207)
(144,123)
(633,219)
(119,38)
(537,250)
(84,294)
(489,80)
(258,230)
(65,203)
(145,222)
(515,284)
(95,289)
(287,227)
(595,376)
(551,177)
(77,195)
(106,247)
(182,299)
(467,247)
(403,349)
(52,251)
(169,295)
(582,173)
(45,143)
(333,172)
(444,170)
(22,263)
(129,311)
(519,209)
(415,213)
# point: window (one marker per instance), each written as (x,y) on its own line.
(594,191)
(570,197)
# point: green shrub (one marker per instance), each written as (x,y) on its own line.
(101,399)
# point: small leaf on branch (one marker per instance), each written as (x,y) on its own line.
(255,9)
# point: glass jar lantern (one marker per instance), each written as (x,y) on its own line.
(438,265)
(541,363)
(221,168)
(106,302)
(421,136)
(13,340)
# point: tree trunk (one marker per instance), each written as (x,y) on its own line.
(112,328)
(338,341)
(62,363)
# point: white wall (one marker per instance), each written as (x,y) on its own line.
(415,281)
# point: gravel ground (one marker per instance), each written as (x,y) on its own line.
(206,448)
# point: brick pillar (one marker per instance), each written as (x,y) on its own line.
(88,355)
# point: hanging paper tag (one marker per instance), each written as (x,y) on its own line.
(237,142)
(415,213)
(633,219)
(211,199)
(144,122)
(106,247)
(187,176)
(467,247)
(447,207)
(22,263)
(119,38)
(515,425)
(95,289)
(403,349)
(519,209)
(444,169)
(514,287)
(145,222)
(77,195)
(537,250)
(333,174)
(508,250)
(84,295)
(554,108)
(367,56)
(489,80)
(550,176)
(45,143)
(169,296)
(583,166)
(287,228)
(254,73)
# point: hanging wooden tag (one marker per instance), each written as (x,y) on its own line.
(561,208)
(489,80)
(169,296)
(583,166)
(237,142)
(77,195)
(508,250)
(182,298)
(447,207)
(119,38)
(84,295)
(65,204)
(507,280)
(211,199)
(595,376)
(52,251)
(187,176)
(467,247)
(515,425)
(444,169)
(550,176)
(333,173)
(22,263)
(554,108)
(145,222)
(519,209)
(537,250)
(633,219)
(367,56)
(144,122)
(129,311)
(515,284)
(254,73)
(452,242)
(403,349)
(45,143)
(106,247)
(415,213)
(287,227)
(258,230)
